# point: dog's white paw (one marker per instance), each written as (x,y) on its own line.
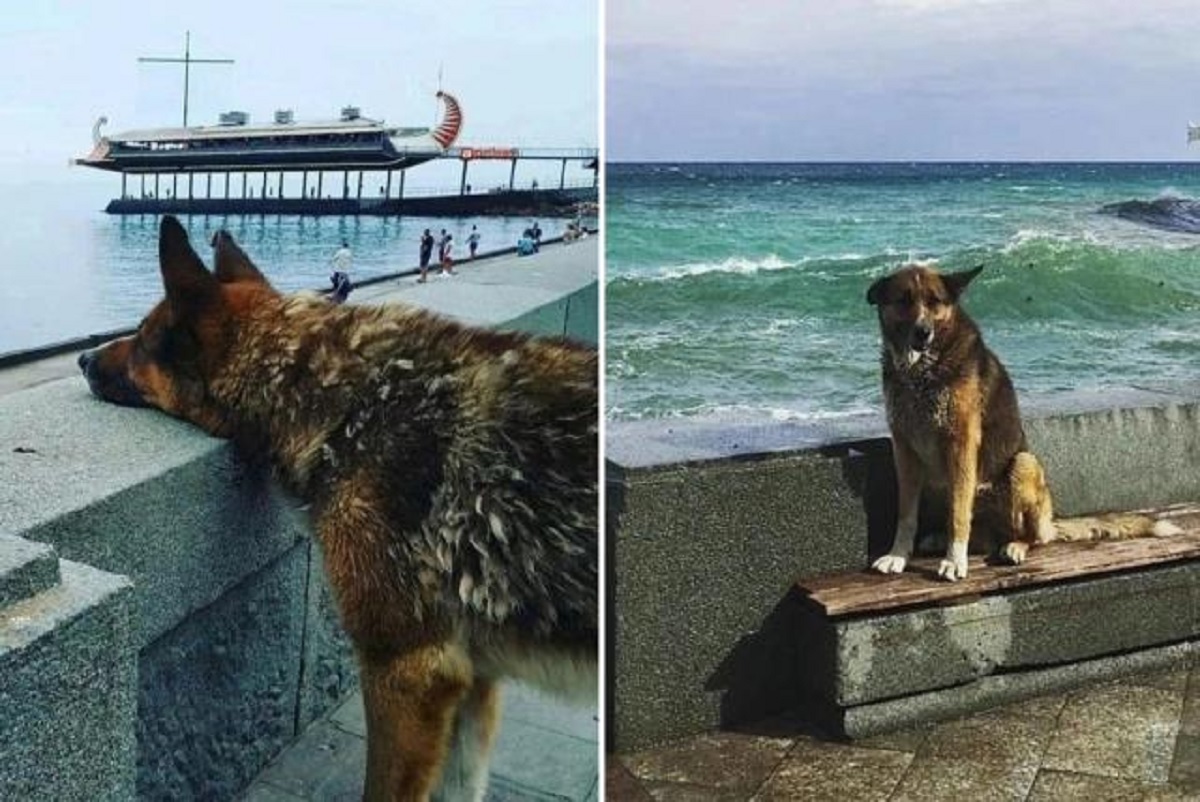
(1165,529)
(954,567)
(1016,551)
(890,564)
(952,571)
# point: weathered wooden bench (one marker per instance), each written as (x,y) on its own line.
(878,652)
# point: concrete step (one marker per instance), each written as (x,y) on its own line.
(26,569)
(928,649)
(68,689)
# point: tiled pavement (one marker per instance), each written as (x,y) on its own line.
(1136,740)
(544,751)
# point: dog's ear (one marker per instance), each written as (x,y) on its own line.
(189,285)
(956,283)
(231,263)
(875,291)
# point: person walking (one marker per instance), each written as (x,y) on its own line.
(442,245)
(426,253)
(342,259)
(473,240)
(448,256)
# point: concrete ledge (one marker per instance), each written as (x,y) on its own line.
(151,498)
(26,569)
(711,522)
(219,693)
(68,691)
(872,719)
(871,658)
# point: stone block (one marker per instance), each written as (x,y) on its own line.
(26,569)
(162,503)
(329,670)
(217,695)
(702,557)
(1121,458)
(984,693)
(68,691)
(902,652)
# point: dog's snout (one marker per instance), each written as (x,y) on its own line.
(922,335)
(85,361)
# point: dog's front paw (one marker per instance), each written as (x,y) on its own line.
(954,567)
(890,564)
(952,571)
(1016,551)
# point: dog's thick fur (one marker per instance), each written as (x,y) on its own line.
(452,478)
(956,427)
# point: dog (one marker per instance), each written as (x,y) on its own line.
(956,427)
(451,474)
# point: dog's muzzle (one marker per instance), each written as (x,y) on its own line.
(922,337)
(116,389)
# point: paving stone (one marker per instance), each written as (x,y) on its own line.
(1045,709)
(816,771)
(1185,766)
(620,785)
(938,779)
(522,703)
(723,761)
(350,716)
(540,763)
(999,740)
(1117,731)
(1057,786)
(907,740)
(261,792)
(683,792)
(789,725)
(306,766)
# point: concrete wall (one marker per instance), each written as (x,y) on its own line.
(710,524)
(165,623)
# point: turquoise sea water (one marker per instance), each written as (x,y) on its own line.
(740,288)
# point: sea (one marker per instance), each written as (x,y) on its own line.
(739,289)
(69,270)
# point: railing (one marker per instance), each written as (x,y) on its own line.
(529,153)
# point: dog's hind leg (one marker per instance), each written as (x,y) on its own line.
(464,777)
(1030,507)
(908,486)
(411,700)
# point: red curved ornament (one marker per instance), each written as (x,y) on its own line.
(452,119)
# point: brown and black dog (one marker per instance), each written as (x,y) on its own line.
(956,427)
(452,477)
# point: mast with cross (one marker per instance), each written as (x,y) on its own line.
(187,61)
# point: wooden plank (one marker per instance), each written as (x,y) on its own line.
(866,591)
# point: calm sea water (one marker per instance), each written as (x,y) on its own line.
(67,269)
(740,288)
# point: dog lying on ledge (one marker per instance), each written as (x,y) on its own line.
(451,474)
(956,427)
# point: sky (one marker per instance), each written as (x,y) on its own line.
(525,71)
(864,80)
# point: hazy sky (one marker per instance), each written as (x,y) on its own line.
(902,79)
(525,71)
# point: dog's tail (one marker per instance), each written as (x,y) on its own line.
(1113,526)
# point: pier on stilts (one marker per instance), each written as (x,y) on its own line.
(234,167)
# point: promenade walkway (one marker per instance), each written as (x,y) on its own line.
(1135,740)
